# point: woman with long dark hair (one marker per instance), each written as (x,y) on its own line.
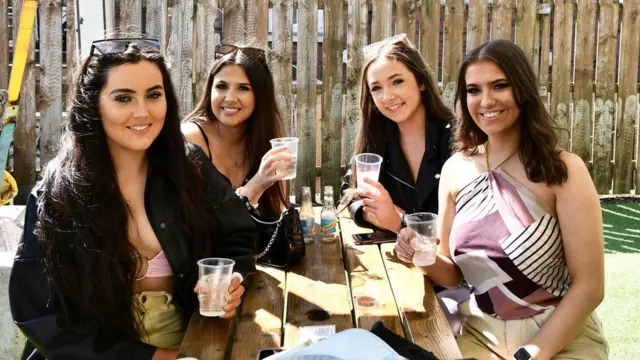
(233,122)
(404,121)
(519,220)
(106,267)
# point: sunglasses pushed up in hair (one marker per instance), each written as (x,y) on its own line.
(373,49)
(116,46)
(224,49)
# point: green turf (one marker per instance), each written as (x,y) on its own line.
(620,310)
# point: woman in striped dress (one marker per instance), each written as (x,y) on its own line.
(519,220)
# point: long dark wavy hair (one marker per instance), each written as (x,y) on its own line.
(373,125)
(83,216)
(264,124)
(538,141)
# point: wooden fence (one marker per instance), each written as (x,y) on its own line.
(585,52)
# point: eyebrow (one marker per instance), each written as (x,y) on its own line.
(491,83)
(224,82)
(130,91)
(389,78)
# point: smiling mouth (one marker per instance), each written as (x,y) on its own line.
(492,114)
(230,110)
(139,128)
(394,107)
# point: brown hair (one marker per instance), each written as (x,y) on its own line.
(538,140)
(264,124)
(372,129)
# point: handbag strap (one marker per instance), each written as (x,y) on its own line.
(275,233)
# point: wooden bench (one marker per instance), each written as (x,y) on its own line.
(339,283)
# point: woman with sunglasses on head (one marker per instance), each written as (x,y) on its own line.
(404,121)
(519,220)
(106,267)
(233,122)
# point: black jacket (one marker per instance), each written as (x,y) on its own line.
(40,321)
(395,174)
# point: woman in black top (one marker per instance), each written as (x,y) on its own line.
(403,120)
(123,190)
(233,122)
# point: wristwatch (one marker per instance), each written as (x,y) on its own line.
(522,354)
(403,220)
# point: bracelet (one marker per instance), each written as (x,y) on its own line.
(239,193)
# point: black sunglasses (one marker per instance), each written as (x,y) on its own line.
(224,49)
(115,46)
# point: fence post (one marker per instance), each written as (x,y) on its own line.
(627,98)
(605,95)
(306,94)
(583,93)
(332,94)
(25,136)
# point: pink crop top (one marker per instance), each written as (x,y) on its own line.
(157,267)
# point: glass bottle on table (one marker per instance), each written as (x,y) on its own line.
(307,216)
(329,217)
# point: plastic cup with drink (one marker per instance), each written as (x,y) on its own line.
(425,237)
(215,276)
(367,166)
(291,143)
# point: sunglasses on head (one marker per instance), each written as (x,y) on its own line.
(224,49)
(115,46)
(373,48)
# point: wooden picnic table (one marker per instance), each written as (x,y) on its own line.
(340,283)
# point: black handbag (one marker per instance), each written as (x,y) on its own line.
(280,241)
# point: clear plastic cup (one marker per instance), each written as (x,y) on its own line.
(292,148)
(367,166)
(214,279)
(425,239)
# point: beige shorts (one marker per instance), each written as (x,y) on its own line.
(486,337)
(161,320)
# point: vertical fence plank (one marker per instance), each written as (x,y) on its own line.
(561,69)
(129,17)
(206,40)
(233,22)
(51,78)
(306,93)
(257,22)
(453,28)
(382,18)
(181,44)
(583,78)
(4,44)
(25,135)
(406,18)
(332,94)
(627,97)
(429,42)
(281,59)
(110,17)
(526,34)
(357,39)
(605,95)
(545,48)
(502,12)
(477,25)
(156,20)
(72,57)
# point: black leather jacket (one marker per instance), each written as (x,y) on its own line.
(395,175)
(40,321)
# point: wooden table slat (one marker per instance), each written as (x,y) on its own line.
(315,294)
(260,323)
(206,338)
(428,328)
(370,289)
